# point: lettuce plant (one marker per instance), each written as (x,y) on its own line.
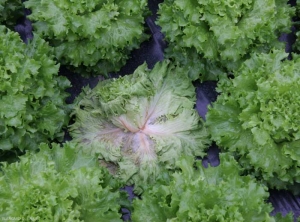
(208,194)
(33,107)
(256,117)
(141,123)
(58,184)
(296,45)
(10,11)
(91,35)
(221,33)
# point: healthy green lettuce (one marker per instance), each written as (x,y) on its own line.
(140,124)
(90,35)
(256,118)
(221,33)
(33,107)
(58,184)
(208,194)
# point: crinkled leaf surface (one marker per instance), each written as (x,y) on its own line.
(141,122)
(257,117)
(90,35)
(10,11)
(296,45)
(222,32)
(58,184)
(33,107)
(213,194)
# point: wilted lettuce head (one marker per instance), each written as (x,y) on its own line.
(90,35)
(33,107)
(221,33)
(58,184)
(195,193)
(141,123)
(256,117)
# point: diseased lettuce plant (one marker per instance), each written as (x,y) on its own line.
(221,34)
(59,184)
(256,118)
(10,11)
(141,123)
(33,107)
(95,36)
(208,194)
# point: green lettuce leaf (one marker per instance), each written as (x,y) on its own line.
(33,108)
(256,117)
(93,36)
(10,11)
(58,184)
(222,33)
(208,194)
(296,45)
(140,124)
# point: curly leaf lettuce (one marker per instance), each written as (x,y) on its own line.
(95,36)
(296,45)
(208,194)
(221,33)
(33,108)
(58,184)
(140,124)
(256,117)
(10,11)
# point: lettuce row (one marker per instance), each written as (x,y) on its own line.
(208,194)
(33,107)
(94,36)
(256,118)
(221,33)
(140,124)
(58,184)
(10,11)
